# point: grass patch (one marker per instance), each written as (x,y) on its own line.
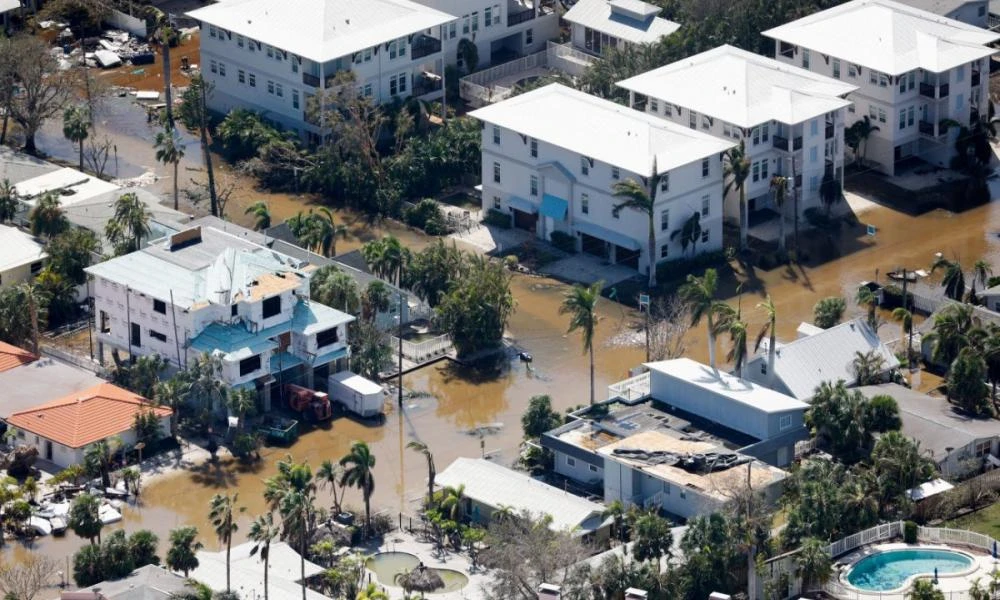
(985,521)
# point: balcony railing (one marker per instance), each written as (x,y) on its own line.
(425,46)
(780,142)
(829,130)
(426,84)
(516,18)
(931,91)
(310,80)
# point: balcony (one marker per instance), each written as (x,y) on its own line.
(781,143)
(516,18)
(931,91)
(829,131)
(310,80)
(428,83)
(425,46)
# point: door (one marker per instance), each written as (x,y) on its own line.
(48,450)
(525,220)
(136,335)
(782,456)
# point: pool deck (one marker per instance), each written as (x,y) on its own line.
(947,583)
(401,541)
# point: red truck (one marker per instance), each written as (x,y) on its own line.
(313,406)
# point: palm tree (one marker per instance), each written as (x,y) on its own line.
(641,199)
(292,493)
(359,466)
(858,134)
(261,215)
(779,187)
(131,221)
(163,33)
(905,318)
(869,299)
(738,352)
(451,502)
(952,328)
(76,127)
(329,474)
(617,511)
(953,281)
(581,304)
(736,171)
(372,591)
(868,367)
(242,402)
(182,555)
(699,294)
(431,469)
(981,273)
(328,231)
(99,456)
(262,531)
(8,201)
(768,329)
(221,509)
(814,563)
(170,150)
(48,217)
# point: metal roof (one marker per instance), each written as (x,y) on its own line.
(232,340)
(727,386)
(247,572)
(151,582)
(601,129)
(74,187)
(496,486)
(16,167)
(888,36)
(940,7)
(19,248)
(322,30)
(629,20)
(742,88)
(154,277)
(313,317)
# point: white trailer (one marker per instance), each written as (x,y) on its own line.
(358,395)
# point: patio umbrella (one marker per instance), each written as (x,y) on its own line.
(421,580)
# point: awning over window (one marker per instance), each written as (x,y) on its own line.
(618,239)
(522,205)
(554,207)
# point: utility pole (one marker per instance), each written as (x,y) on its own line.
(399,318)
(214,200)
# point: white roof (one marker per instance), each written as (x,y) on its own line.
(19,248)
(805,363)
(888,36)
(496,486)
(247,572)
(601,129)
(742,88)
(357,382)
(6,5)
(154,277)
(928,489)
(630,20)
(74,187)
(322,30)
(726,385)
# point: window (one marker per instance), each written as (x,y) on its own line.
(251,45)
(585,204)
(496,14)
(902,119)
(705,168)
(704,236)
(475,21)
(452,30)
(756,171)
(872,76)
(584,165)
(981,11)
(592,468)
(814,183)
(836,68)
(213,66)
(814,127)
(664,250)
(534,148)
(813,154)
(706,202)
(367,90)
(785,421)
(239,41)
(983,448)
(763,169)
(533,187)
(211,31)
(295,65)
(465,24)
(727,130)
(160,306)
(911,81)
(881,115)
(706,122)
(222,69)
(295,98)
(327,337)
(654,107)
(755,135)
(902,84)
(570,461)
(665,182)
(616,173)
(693,120)
(279,90)
(872,112)
(488,16)
(241,76)
(959,102)
(805,58)
(496,202)
(668,109)
(665,219)
(496,135)
(763,368)
(253,80)
(909,117)
(960,73)
(496,172)
(136,337)
(684,494)
(270,87)
(234,310)
(270,52)
(272,306)
(156,335)
(852,71)
(249,365)
(883,80)
(529,36)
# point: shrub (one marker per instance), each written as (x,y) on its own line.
(497,219)
(563,241)
(382,523)
(828,311)
(910,532)
(426,215)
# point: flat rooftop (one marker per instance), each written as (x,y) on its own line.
(41,381)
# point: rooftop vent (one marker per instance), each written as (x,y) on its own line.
(549,591)
(183,239)
(636,594)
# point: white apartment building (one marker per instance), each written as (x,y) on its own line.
(599,25)
(271,57)
(502,30)
(973,12)
(783,115)
(204,290)
(914,69)
(551,157)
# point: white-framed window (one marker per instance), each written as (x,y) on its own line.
(852,70)
(585,204)
(881,115)
(251,46)
(529,36)
(496,172)
(763,169)
(836,68)
(241,76)
(616,173)
(222,69)
(872,112)
(883,80)
(295,99)
(665,182)
(367,90)
(706,204)
(452,30)
(571,461)
(727,130)
(693,120)
(785,422)
(534,148)
(813,154)
(465,24)
(755,168)
(805,58)
(668,109)
(211,31)
(755,136)
(872,76)
(593,469)
(664,250)
(960,73)
(488,16)
(909,116)
(397,84)
(213,66)
(496,135)
(902,118)
(665,219)
(392,50)
(704,236)
(239,41)
(475,21)
(959,101)
(533,185)
(814,127)
(654,106)
(252,79)
(584,165)
(911,81)
(270,52)
(496,202)
(706,168)
(270,87)
(279,90)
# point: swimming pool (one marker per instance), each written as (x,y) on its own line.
(386,565)
(890,569)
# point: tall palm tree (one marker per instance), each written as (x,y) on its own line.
(76,127)
(262,532)
(769,329)
(242,402)
(132,217)
(163,33)
(170,150)
(953,281)
(359,465)
(292,493)
(642,199)
(8,201)
(581,304)
(451,502)
(858,134)
(329,474)
(170,393)
(36,311)
(736,171)
(329,231)
(954,329)
(261,215)
(220,513)
(738,352)
(699,294)
(905,318)
(981,273)
(814,563)
(48,217)
(779,187)
(431,469)
(869,299)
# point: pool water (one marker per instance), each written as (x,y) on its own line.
(386,565)
(889,570)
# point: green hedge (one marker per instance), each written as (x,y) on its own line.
(497,219)
(563,241)
(426,215)
(910,532)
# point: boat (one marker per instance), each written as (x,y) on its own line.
(39,525)
(911,276)
(109,515)
(59,525)
(525,357)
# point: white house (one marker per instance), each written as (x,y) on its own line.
(204,290)
(501,29)
(914,70)
(243,571)
(22,257)
(551,157)
(271,57)
(598,25)
(973,12)
(790,120)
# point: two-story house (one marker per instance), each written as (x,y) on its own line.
(917,74)
(973,12)
(271,57)
(552,156)
(599,25)
(791,121)
(204,290)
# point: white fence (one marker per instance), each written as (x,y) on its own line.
(420,352)
(633,388)
(886,531)
(485,87)
(568,59)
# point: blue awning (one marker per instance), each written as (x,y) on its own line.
(618,239)
(282,361)
(522,205)
(554,207)
(322,359)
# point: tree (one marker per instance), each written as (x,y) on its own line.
(769,329)
(953,325)
(85,519)
(735,171)
(170,150)
(377,298)
(335,288)
(18,326)
(868,367)
(164,33)
(981,274)
(262,532)
(712,557)
(99,456)
(699,294)
(24,578)
(814,563)
(858,134)
(9,201)
(183,549)
(898,465)
(387,258)
(48,217)
(88,566)
(738,353)
(261,215)
(653,537)
(329,474)
(469,53)
(359,465)
(477,307)
(905,318)
(370,350)
(642,199)
(580,303)
(923,589)
(839,419)
(372,591)
(129,225)
(57,295)
(117,559)
(869,299)
(433,270)
(242,402)
(76,127)
(966,382)
(422,448)
(141,376)
(829,311)
(43,89)
(883,414)
(71,252)
(539,417)
(953,281)
(292,493)
(220,513)
(779,188)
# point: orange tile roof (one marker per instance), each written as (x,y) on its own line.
(85,417)
(12,356)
